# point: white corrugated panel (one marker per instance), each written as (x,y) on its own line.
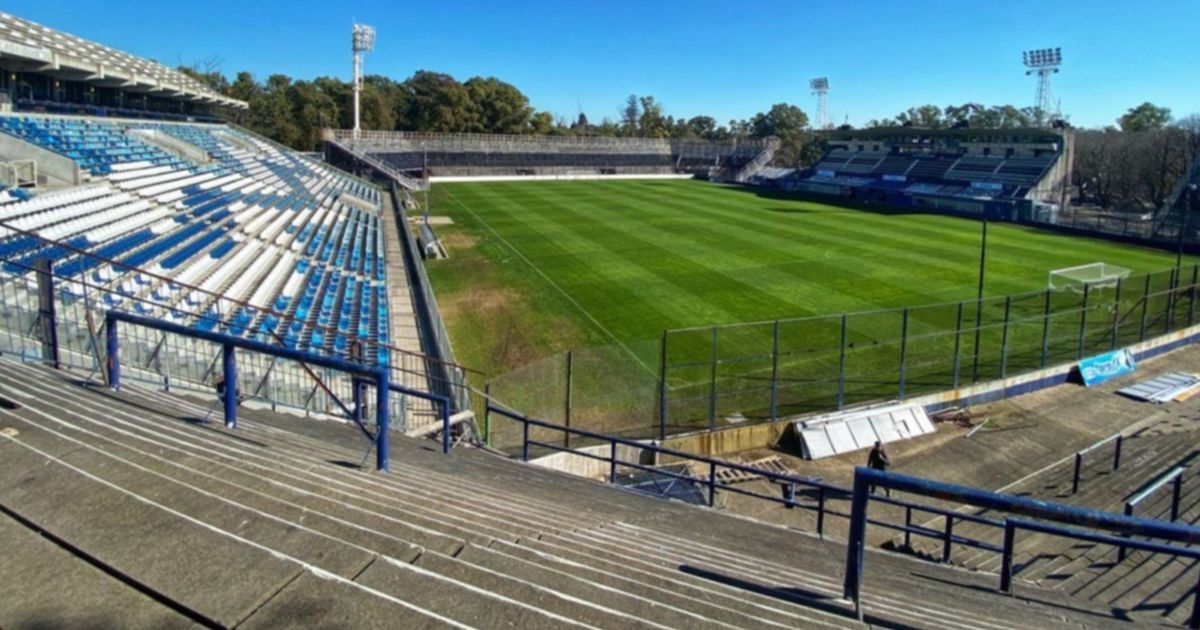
(856,429)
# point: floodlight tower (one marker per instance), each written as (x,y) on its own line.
(820,88)
(362,41)
(1043,62)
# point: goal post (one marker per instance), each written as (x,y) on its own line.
(1096,275)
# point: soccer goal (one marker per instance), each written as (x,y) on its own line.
(1096,275)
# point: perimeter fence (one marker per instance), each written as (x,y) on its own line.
(710,377)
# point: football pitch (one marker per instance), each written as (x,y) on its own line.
(537,268)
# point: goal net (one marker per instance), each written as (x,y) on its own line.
(1096,275)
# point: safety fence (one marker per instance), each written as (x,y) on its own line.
(1000,515)
(234,352)
(45,309)
(1015,513)
(450,379)
(717,376)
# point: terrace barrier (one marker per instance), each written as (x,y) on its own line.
(1052,518)
(376,375)
(712,377)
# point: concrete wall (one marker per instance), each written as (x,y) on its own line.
(173,145)
(59,170)
(735,439)
(581,466)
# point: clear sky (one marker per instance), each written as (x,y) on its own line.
(727,59)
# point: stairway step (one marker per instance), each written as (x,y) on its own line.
(44,585)
(220,576)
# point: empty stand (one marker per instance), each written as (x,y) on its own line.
(273,526)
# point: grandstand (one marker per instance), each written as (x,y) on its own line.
(148,253)
(45,70)
(443,155)
(141,208)
(284,238)
(1009,173)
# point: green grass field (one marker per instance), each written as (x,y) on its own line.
(537,268)
(571,264)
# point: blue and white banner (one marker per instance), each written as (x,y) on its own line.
(1107,366)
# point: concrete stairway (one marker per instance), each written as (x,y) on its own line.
(402,320)
(1144,586)
(123,509)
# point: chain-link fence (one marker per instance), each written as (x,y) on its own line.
(704,378)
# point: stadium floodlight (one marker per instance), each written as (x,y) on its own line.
(1043,62)
(362,41)
(820,88)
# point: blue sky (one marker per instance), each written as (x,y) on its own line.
(726,59)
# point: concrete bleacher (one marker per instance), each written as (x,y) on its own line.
(467,155)
(959,169)
(141,516)
(1147,587)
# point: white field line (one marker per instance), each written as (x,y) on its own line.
(560,290)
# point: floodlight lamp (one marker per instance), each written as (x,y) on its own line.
(363,38)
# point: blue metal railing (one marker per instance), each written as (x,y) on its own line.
(1174,475)
(789,483)
(1118,438)
(376,375)
(1060,516)
(1066,515)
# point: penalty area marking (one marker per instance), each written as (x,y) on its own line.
(545,277)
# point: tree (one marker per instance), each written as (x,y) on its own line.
(581,125)
(271,111)
(788,123)
(703,126)
(630,114)
(500,107)
(927,116)
(541,123)
(652,123)
(208,72)
(438,102)
(1145,117)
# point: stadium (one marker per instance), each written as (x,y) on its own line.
(426,378)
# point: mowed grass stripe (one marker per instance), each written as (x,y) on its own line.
(931,231)
(957,241)
(574,267)
(796,285)
(614,261)
(641,256)
(699,266)
(840,279)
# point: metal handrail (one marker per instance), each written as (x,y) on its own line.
(1174,475)
(129,268)
(1119,438)
(790,482)
(1011,525)
(866,478)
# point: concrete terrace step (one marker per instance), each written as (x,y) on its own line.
(47,586)
(468,539)
(466,602)
(1144,459)
(1144,586)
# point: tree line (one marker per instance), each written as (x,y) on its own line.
(1130,165)
(293,112)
